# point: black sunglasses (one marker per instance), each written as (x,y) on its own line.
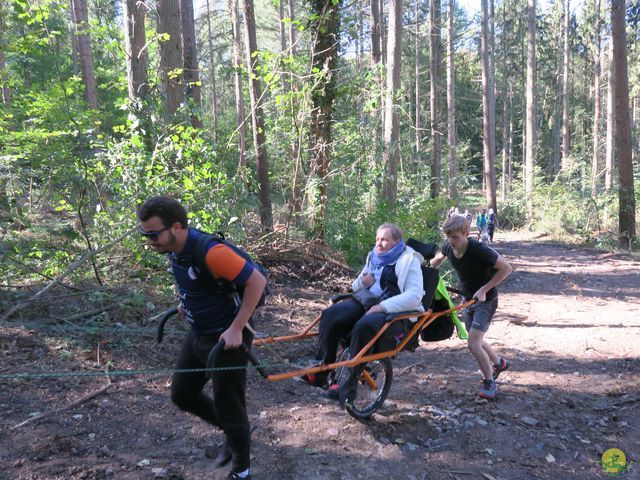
(153,236)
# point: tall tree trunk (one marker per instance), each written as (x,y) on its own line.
(507,141)
(488,118)
(74,43)
(596,102)
(6,93)
(626,194)
(566,160)
(451,103)
(214,87)
(556,141)
(376,59)
(374,9)
(435,47)
(611,124)
(190,59)
(383,33)
(417,79)
(531,135)
(237,80)
(392,119)
(136,53)
(257,116)
(292,28)
(325,30)
(81,18)
(283,43)
(170,53)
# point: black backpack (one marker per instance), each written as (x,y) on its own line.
(220,285)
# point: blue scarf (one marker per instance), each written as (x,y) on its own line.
(387,258)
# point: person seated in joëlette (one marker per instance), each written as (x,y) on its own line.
(391,281)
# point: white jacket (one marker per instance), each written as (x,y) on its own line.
(410,283)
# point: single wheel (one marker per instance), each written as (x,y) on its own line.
(373,385)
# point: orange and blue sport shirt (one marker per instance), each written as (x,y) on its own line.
(208,312)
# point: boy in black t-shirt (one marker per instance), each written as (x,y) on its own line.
(480,269)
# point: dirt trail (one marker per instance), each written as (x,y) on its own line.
(568,320)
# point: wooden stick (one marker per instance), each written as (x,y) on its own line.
(75,403)
(75,265)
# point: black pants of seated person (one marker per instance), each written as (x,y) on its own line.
(336,322)
(366,328)
(363,332)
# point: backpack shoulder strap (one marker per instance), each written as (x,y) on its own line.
(200,249)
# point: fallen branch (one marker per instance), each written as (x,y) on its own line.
(404,370)
(95,311)
(75,265)
(75,403)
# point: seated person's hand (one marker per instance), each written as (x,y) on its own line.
(368,279)
(376,308)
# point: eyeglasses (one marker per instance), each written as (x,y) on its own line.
(153,236)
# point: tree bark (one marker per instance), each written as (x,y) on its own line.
(190,59)
(418,123)
(435,47)
(611,124)
(237,80)
(391,154)
(292,27)
(451,103)
(325,52)
(214,87)
(488,118)
(626,194)
(257,116)
(136,53)
(81,18)
(374,7)
(530,108)
(596,102)
(566,146)
(6,93)
(170,54)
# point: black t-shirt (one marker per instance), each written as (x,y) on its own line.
(475,268)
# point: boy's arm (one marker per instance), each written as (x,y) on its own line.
(503,269)
(437,260)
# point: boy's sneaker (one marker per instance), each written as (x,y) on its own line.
(500,367)
(488,389)
(236,476)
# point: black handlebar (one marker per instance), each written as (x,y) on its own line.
(160,332)
(211,358)
(213,354)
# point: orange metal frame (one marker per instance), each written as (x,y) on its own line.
(423,320)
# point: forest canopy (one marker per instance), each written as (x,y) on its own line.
(320,119)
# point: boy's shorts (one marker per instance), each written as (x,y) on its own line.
(479,315)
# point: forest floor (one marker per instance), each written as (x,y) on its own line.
(568,321)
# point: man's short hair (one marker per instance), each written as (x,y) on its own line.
(396,231)
(456,223)
(168,209)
